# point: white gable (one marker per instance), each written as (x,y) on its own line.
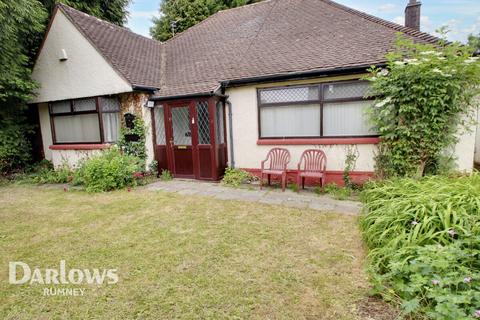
(85,73)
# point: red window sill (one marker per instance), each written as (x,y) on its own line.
(79,146)
(316,141)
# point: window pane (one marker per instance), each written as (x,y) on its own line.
(294,94)
(181,126)
(160,125)
(219,125)
(84,105)
(345,90)
(346,119)
(78,128)
(110,104)
(290,121)
(61,106)
(111,126)
(203,123)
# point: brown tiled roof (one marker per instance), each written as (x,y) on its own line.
(272,37)
(138,59)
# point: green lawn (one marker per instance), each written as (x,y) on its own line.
(180,257)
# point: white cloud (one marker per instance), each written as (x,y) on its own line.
(387,8)
(426,24)
(399,20)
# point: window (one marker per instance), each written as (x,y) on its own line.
(312,111)
(160,125)
(84,120)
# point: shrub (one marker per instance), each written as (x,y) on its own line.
(43,172)
(48,175)
(424,97)
(236,177)
(153,167)
(108,171)
(424,241)
(166,175)
(339,193)
(15,149)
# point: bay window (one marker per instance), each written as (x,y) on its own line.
(90,120)
(313,111)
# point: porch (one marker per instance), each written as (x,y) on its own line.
(190,137)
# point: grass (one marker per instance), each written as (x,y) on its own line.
(180,257)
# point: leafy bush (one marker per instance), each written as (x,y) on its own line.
(425,96)
(43,172)
(339,193)
(153,167)
(47,175)
(15,149)
(166,175)
(108,171)
(424,240)
(236,177)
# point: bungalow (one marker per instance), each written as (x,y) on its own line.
(222,93)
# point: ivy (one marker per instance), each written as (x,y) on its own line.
(425,97)
(136,146)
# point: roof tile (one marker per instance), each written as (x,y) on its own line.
(271,37)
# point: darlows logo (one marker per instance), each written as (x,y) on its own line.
(21,273)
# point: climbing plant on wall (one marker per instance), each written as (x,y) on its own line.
(425,97)
(132,138)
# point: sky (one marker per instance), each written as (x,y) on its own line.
(461,16)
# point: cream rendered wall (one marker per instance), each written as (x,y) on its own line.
(245,134)
(71,158)
(45,129)
(146,115)
(249,155)
(464,151)
(86,73)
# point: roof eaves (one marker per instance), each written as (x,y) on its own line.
(301,75)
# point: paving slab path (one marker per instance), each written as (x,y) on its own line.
(304,199)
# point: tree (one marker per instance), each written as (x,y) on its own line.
(425,96)
(22,22)
(22,25)
(179,15)
(474,42)
(114,11)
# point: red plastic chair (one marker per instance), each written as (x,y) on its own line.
(314,166)
(278,159)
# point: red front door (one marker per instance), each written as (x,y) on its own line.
(180,139)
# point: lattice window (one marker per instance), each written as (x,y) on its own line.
(61,107)
(219,125)
(345,90)
(203,122)
(84,105)
(160,125)
(110,104)
(182,134)
(294,94)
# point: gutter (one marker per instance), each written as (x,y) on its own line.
(187,96)
(230,133)
(144,88)
(298,75)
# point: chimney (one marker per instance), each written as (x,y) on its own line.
(412,14)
